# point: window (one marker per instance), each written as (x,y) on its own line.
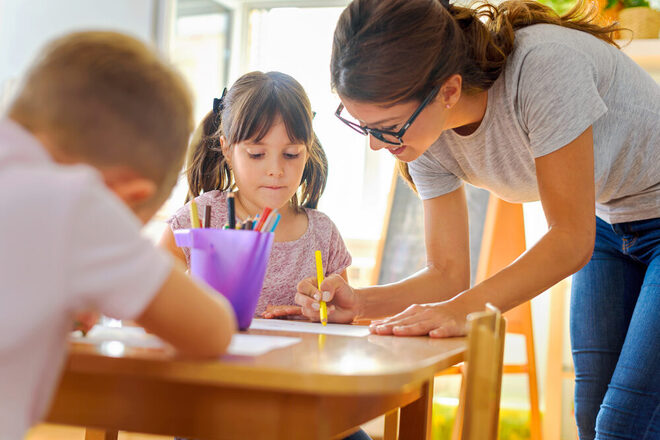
(298,41)
(199,47)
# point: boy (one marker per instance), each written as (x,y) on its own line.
(92,146)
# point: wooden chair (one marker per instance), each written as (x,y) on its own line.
(483,378)
(482,384)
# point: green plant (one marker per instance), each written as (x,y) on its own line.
(514,423)
(559,6)
(627,3)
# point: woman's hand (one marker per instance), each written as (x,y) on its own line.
(339,296)
(438,320)
(279,311)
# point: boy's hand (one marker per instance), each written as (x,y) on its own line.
(340,297)
(279,311)
(84,321)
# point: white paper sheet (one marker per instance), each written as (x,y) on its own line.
(130,336)
(255,345)
(309,327)
(242,345)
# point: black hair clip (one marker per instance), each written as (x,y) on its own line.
(219,104)
(445,4)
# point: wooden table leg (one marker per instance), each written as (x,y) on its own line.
(97,434)
(391,431)
(415,419)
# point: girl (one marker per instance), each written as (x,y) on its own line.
(259,143)
(531,106)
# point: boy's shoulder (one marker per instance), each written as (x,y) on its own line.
(49,191)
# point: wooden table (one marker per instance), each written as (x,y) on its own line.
(316,389)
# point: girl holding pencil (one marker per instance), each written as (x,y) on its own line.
(258,147)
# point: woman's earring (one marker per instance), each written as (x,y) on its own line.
(447,105)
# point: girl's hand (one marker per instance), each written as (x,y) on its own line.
(438,320)
(339,296)
(84,321)
(279,311)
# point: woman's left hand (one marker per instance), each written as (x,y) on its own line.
(438,320)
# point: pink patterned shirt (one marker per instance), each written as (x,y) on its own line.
(290,261)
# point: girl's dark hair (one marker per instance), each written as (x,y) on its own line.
(249,110)
(393,51)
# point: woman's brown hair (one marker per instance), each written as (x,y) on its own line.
(247,112)
(393,51)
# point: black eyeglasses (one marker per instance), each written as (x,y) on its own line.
(389,137)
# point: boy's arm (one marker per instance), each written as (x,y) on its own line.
(192,317)
(167,242)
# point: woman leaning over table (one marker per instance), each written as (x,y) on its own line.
(531,106)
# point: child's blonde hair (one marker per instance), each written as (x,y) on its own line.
(248,111)
(106,99)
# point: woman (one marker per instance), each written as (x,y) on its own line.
(531,106)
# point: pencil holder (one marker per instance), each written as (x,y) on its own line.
(233,262)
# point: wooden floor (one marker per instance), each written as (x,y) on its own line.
(58,432)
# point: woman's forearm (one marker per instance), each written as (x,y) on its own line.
(557,255)
(430,284)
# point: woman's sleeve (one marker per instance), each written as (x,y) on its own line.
(558,96)
(431,178)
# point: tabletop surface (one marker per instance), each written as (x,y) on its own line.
(326,364)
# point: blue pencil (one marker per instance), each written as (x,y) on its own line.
(277,220)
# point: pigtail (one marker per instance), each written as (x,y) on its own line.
(207,168)
(314,178)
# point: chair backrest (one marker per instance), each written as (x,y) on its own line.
(484,374)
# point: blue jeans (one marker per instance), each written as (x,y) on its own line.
(615,334)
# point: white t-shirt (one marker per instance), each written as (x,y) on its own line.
(556,83)
(67,244)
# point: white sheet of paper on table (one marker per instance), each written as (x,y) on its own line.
(255,345)
(309,327)
(241,345)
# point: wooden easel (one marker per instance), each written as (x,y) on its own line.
(503,241)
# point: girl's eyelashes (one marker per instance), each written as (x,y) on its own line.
(290,156)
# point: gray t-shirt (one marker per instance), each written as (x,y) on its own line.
(556,83)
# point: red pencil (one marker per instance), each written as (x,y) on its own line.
(262,218)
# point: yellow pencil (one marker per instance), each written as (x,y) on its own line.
(323,310)
(194,216)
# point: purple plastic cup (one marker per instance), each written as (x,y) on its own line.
(233,262)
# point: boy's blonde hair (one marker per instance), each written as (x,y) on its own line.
(106,99)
